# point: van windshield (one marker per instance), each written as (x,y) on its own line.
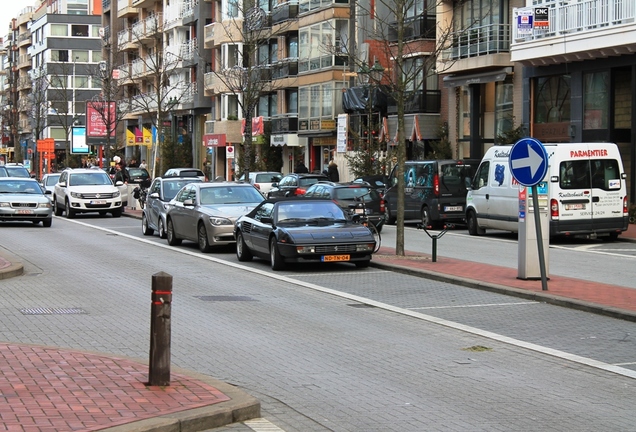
(586,174)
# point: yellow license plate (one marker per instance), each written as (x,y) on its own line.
(333,258)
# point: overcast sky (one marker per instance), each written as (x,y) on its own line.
(10,9)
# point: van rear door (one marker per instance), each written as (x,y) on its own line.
(590,192)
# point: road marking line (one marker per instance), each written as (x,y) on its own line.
(262,425)
(413,314)
(625,364)
(474,305)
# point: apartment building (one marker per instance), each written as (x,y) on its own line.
(579,73)
(162,69)
(5,96)
(482,86)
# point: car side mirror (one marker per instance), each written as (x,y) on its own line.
(154,195)
(267,220)
(119,183)
(188,203)
(48,192)
(274,185)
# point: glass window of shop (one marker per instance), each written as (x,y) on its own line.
(596,91)
(504,117)
(552,99)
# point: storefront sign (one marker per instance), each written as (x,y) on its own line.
(214,140)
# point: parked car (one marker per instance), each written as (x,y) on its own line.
(434,191)
(296,230)
(138,175)
(49,181)
(185,172)
(16,170)
(294,184)
(161,192)
(378,182)
(205,212)
(22,199)
(84,190)
(263,180)
(347,194)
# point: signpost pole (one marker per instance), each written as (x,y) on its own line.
(537,224)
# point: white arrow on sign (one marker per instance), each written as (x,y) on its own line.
(533,161)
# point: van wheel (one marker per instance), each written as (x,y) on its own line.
(473,228)
(613,236)
(388,217)
(426,217)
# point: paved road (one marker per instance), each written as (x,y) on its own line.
(322,360)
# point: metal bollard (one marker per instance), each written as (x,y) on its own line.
(434,237)
(159,371)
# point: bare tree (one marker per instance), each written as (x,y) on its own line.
(152,84)
(38,100)
(386,36)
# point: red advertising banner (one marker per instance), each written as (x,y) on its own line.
(257,126)
(97,117)
(214,140)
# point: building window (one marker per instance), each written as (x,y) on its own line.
(80,56)
(292,101)
(81,81)
(504,118)
(309,5)
(596,92)
(58,81)
(319,44)
(97,56)
(57,133)
(292,47)
(552,99)
(59,30)
(95,31)
(267,105)
(319,100)
(59,55)
(78,30)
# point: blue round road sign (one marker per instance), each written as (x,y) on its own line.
(528,161)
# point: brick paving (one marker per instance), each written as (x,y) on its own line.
(48,389)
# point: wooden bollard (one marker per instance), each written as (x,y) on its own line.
(159,373)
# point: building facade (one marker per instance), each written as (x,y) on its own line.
(579,74)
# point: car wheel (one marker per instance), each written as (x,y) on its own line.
(388,217)
(362,264)
(275,257)
(117,212)
(242,251)
(47,222)
(57,209)
(161,229)
(202,237)
(144,226)
(473,228)
(171,236)
(613,237)
(70,213)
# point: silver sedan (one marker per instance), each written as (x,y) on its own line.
(23,199)
(205,212)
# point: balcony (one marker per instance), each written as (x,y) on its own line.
(125,9)
(149,28)
(138,68)
(285,68)
(24,61)
(285,12)
(125,39)
(143,3)
(146,102)
(180,14)
(188,52)
(105,5)
(208,41)
(125,72)
(24,83)
(24,38)
(577,31)
(419,102)
(421,27)
(188,11)
(479,41)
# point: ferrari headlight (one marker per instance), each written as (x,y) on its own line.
(218,221)
(305,249)
(76,195)
(365,247)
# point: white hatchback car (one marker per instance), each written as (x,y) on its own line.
(262,180)
(86,190)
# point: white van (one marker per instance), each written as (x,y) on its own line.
(586,191)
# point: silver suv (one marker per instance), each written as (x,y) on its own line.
(86,190)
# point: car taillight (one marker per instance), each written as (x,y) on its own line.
(257,186)
(300,191)
(554,209)
(382,204)
(436,185)
(625,208)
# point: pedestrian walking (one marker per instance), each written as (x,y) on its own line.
(334,175)
(300,168)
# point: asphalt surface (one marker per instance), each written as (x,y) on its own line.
(47,388)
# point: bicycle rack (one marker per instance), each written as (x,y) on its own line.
(435,237)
